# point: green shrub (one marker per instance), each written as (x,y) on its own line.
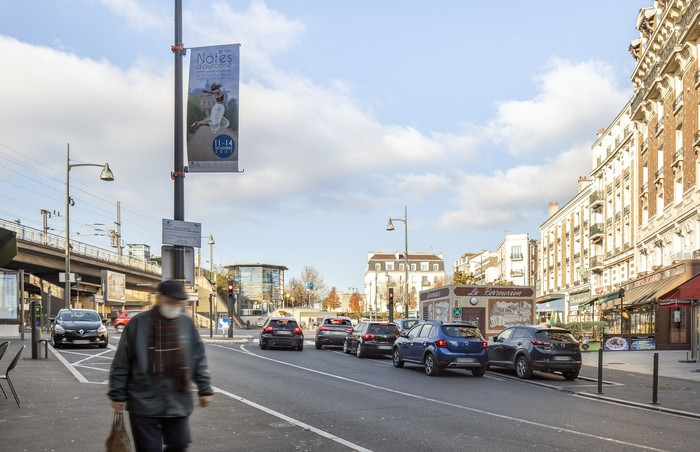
(594,330)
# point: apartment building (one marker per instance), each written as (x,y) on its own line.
(517,259)
(385,270)
(562,264)
(483,265)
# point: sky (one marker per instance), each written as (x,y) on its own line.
(473,115)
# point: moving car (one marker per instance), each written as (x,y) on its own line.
(525,348)
(78,327)
(371,338)
(281,332)
(436,345)
(123,318)
(333,330)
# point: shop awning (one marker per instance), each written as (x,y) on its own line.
(683,295)
(649,292)
(583,306)
(551,306)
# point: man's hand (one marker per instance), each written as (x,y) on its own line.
(204,400)
(118,406)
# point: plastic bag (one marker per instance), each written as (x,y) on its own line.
(118,440)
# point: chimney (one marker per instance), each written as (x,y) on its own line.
(553,208)
(582,183)
(601,131)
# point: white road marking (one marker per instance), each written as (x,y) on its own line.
(450,404)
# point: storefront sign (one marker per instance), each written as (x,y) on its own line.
(642,343)
(616,343)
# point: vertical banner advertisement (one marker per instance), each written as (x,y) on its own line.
(212,109)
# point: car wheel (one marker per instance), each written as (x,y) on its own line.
(318,346)
(119,328)
(299,347)
(522,367)
(480,371)
(104,344)
(431,365)
(55,343)
(263,345)
(359,352)
(346,349)
(570,374)
(396,358)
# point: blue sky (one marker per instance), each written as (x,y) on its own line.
(473,114)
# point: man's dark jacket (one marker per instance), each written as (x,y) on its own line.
(146,395)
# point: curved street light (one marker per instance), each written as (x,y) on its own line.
(105,175)
(390,227)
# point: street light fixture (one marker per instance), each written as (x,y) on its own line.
(105,175)
(390,227)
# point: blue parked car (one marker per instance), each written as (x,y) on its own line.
(437,345)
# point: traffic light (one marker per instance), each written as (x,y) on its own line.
(230,287)
(391,294)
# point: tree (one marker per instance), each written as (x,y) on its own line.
(500,281)
(310,274)
(461,277)
(332,300)
(355,302)
(297,293)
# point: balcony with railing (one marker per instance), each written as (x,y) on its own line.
(596,231)
(659,126)
(596,263)
(645,145)
(645,188)
(596,199)
(516,257)
(678,102)
(659,175)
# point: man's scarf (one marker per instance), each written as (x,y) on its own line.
(166,354)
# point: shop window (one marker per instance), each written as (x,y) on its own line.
(643,321)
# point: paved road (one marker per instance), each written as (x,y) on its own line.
(325,400)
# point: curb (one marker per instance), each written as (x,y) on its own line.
(606,398)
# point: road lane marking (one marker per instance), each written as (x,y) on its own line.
(291,420)
(243,350)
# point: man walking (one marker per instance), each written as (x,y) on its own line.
(160,355)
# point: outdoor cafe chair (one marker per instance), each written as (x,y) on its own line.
(3,347)
(7,375)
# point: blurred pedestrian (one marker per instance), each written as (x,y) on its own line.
(160,355)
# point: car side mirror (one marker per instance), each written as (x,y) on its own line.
(403,334)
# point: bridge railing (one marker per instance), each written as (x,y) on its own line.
(49,240)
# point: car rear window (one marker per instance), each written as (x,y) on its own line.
(559,336)
(382,329)
(344,322)
(408,324)
(284,324)
(80,316)
(461,331)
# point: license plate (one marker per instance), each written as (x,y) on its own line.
(465,360)
(384,347)
(81,342)
(283,333)
(561,358)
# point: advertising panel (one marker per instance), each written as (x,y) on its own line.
(9,295)
(114,286)
(212,109)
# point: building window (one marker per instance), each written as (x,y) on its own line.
(424,266)
(516,252)
(390,266)
(436,267)
(413,267)
(402,267)
(377,267)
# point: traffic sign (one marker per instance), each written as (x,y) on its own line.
(457,312)
(223,323)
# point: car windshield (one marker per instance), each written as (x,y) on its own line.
(283,324)
(80,316)
(559,336)
(382,329)
(461,331)
(344,322)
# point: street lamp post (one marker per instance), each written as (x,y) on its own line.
(211,275)
(105,175)
(390,227)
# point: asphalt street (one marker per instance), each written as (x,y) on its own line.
(325,400)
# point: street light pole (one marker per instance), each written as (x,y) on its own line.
(390,227)
(211,275)
(105,175)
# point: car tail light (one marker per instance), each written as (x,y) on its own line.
(539,343)
(298,331)
(324,328)
(368,337)
(268,329)
(442,343)
(485,345)
(349,330)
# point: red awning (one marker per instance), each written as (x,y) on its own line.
(683,295)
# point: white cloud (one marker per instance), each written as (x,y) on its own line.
(572,100)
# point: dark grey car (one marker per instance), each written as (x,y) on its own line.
(525,348)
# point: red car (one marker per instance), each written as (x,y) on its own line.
(123,318)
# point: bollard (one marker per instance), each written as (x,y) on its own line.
(655,384)
(600,370)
